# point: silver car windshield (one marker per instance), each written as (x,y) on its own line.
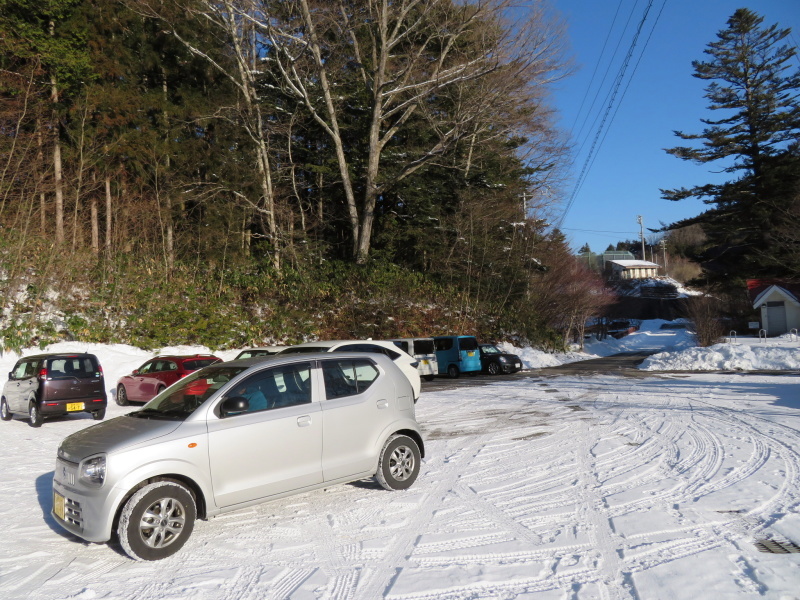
(182,399)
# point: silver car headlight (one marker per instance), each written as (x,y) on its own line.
(93,470)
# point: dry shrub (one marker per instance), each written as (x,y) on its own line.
(706,313)
(682,269)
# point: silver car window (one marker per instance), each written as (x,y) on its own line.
(347,377)
(182,399)
(278,387)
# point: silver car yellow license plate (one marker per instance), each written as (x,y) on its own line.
(58,505)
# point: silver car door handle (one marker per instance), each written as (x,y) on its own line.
(304,421)
(383,404)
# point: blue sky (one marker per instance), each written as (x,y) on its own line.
(659,97)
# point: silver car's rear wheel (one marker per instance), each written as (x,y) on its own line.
(157,520)
(399,463)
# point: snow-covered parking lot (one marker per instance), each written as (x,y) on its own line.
(569,487)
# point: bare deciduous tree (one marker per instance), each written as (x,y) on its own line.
(439,63)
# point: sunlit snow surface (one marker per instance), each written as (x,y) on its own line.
(533,488)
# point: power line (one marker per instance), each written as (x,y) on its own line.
(599,231)
(615,89)
(628,84)
(597,66)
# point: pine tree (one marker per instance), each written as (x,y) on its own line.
(757,136)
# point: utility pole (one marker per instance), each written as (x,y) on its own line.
(664,250)
(641,234)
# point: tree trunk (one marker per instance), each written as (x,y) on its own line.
(40,164)
(57,172)
(95,226)
(108,216)
(333,128)
(169,241)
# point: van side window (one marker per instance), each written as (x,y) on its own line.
(443,344)
(25,370)
(347,377)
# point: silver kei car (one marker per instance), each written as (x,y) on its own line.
(232,435)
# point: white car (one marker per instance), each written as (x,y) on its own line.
(232,435)
(423,350)
(408,364)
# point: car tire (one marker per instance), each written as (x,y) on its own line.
(399,463)
(5,414)
(428,377)
(493,368)
(34,414)
(122,396)
(453,372)
(99,415)
(142,535)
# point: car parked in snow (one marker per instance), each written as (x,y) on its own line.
(51,385)
(457,354)
(407,363)
(494,361)
(157,374)
(232,435)
(423,351)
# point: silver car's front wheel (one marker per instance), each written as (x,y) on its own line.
(399,463)
(5,414)
(157,520)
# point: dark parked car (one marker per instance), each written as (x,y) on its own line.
(495,361)
(50,385)
(157,374)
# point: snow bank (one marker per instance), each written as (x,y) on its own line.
(780,354)
(671,340)
(652,336)
(536,359)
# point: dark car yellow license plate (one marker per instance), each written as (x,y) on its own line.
(75,406)
(58,505)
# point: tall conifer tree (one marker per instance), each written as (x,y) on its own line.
(754,86)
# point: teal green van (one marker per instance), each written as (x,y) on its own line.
(457,354)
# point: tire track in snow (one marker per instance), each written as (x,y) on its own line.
(378,582)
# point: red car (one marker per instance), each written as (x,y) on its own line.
(157,374)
